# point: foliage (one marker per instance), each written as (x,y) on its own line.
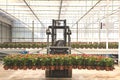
(22,45)
(57,60)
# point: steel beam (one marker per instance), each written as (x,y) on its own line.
(60,9)
(33,13)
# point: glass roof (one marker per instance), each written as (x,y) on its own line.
(85,13)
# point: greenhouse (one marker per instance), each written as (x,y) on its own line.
(59,39)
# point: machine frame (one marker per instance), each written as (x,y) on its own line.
(54,48)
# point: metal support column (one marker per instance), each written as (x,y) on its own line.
(32,31)
(119,40)
(107,26)
(65,36)
(48,44)
(99,30)
(10,38)
(0,31)
(77,32)
(52,32)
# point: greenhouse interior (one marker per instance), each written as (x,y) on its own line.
(59,39)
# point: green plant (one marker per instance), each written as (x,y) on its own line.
(34,61)
(102,45)
(89,61)
(73,45)
(113,45)
(95,45)
(37,60)
(25,61)
(43,61)
(19,45)
(61,61)
(77,46)
(69,59)
(16,61)
(79,60)
(5,45)
(102,62)
(8,61)
(109,62)
(52,61)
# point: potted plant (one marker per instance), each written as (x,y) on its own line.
(15,63)
(25,63)
(109,62)
(102,64)
(69,62)
(43,62)
(19,45)
(61,63)
(66,62)
(48,62)
(57,62)
(38,63)
(7,63)
(73,45)
(89,63)
(52,63)
(34,61)
(79,60)
(74,61)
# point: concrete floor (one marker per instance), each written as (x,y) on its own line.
(76,74)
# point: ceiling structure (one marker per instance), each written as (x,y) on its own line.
(83,12)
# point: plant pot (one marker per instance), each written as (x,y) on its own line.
(52,67)
(89,67)
(111,68)
(43,67)
(33,67)
(11,67)
(47,67)
(102,68)
(107,68)
(56,67)
(6,67)
(24,67)
(20,67)
(74,67)
(93,67)
(70,67)
(39,67)
(30,67)
(61,67)
(84,67)
(66,67)
(15,67)
(97,67)
(79,67)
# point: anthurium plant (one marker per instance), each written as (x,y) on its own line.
(67,60)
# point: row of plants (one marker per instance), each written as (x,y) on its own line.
(22,45)
(57,62)
(95,45)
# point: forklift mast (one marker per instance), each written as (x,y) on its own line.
(62,45)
